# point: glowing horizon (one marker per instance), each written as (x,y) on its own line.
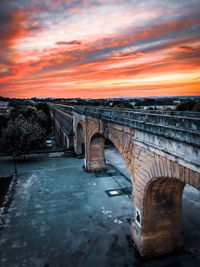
(99,49)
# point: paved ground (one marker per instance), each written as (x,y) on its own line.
(63,216)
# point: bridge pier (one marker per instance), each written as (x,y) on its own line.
(95,160)
(79,142)
(156,229)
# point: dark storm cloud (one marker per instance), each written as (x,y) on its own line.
(74,42)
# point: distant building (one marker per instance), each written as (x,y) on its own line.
(4,109)
(4,104)
(157,107)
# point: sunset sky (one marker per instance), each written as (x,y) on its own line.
(99,48)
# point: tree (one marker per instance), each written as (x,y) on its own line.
(26,130)
(30,113)
(35,114)
(189,105)
(22,136)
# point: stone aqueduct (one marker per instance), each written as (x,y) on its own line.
(161,151)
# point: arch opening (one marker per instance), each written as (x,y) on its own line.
(190,219)
(114,157)
(109,164)
(103,153)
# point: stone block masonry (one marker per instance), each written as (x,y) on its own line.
(162,153)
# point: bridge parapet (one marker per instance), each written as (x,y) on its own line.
(181,126)
(175,125)
(171,113)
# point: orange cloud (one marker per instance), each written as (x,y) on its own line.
(140,61)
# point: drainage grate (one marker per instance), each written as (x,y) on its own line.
(113,193)
(119,192)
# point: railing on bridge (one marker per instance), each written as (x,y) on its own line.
(182,126)
(176,125)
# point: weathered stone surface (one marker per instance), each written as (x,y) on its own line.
(162,153)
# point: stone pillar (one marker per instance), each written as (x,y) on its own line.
(156,228)
(95,160)
(79,143)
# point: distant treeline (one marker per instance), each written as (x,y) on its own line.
(182,103)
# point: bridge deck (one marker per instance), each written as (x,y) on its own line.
(181,126)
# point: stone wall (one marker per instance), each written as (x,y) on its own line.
(160,204)
(79,133)
(162,154)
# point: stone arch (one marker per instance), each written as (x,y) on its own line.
(158,190)
(96,156)
(80,145)
(149,166)
(161,218)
